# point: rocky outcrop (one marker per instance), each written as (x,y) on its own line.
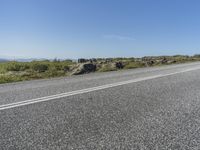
(164,60)
(149,63)
(119,65)
(84,68)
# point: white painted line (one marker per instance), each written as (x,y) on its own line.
(87,90)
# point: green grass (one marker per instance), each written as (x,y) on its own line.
(8,79)
(107,67)
(20,71)
(132,65)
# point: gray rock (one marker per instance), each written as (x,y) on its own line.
(119,65)
(85,68)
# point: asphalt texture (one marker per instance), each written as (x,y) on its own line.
(161,113)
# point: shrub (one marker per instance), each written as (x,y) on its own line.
(9,78)
(197,56)
(66,68)
(16,66)
(40,67)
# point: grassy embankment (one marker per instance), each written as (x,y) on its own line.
(20,71)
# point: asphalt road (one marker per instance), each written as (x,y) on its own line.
(150,108)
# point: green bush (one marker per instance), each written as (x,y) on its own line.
(39,67)
(16,66)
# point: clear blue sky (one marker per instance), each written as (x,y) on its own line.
(98,28)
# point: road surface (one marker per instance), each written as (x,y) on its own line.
(150,108)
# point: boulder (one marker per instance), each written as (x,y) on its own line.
(85,68)
(164,60)
(119,65)
(150,63)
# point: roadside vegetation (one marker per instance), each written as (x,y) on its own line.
(13,71)
(19,71)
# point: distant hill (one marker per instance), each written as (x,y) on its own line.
(3,60)
(26,59)
(20,59)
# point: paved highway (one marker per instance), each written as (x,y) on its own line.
(150,108)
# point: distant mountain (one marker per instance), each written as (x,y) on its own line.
(3,60)
(21,59)
(28,59)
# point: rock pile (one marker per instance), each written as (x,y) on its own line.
(84,68)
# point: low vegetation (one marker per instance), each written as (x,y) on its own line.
(19,71)
(13,71)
